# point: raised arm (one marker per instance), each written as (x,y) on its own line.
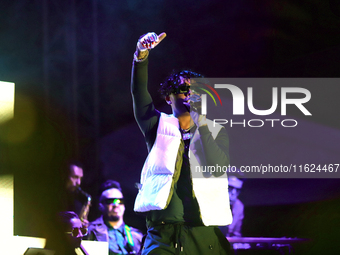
(145,113)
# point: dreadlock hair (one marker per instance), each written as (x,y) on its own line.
(173,81)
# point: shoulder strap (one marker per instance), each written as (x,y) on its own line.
(129,235)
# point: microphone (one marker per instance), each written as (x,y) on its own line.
(195,102)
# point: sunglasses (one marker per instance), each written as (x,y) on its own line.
(114,201)
(182,89)
(77,232)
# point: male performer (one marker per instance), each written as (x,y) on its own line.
(183,206)
(110,227)
(76,199)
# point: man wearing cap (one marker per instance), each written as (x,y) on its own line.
(237,208)
(110,227)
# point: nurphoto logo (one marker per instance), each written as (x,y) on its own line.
(281,94)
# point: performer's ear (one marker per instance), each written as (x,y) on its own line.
(167,99)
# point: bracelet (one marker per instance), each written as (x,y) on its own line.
(142,56)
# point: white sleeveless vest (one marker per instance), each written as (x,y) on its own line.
(157,175)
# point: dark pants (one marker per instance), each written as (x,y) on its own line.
(183,239)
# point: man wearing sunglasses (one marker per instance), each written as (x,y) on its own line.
(183,206)
(110,227)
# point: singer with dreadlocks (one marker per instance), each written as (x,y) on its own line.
(183,208)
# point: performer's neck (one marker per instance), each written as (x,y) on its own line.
(185,120)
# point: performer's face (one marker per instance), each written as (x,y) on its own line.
(112,201)
(74,178)
(180,102)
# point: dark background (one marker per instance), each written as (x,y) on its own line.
(71,63)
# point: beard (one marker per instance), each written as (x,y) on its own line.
(111,218)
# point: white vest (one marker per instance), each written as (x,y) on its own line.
(157,175)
